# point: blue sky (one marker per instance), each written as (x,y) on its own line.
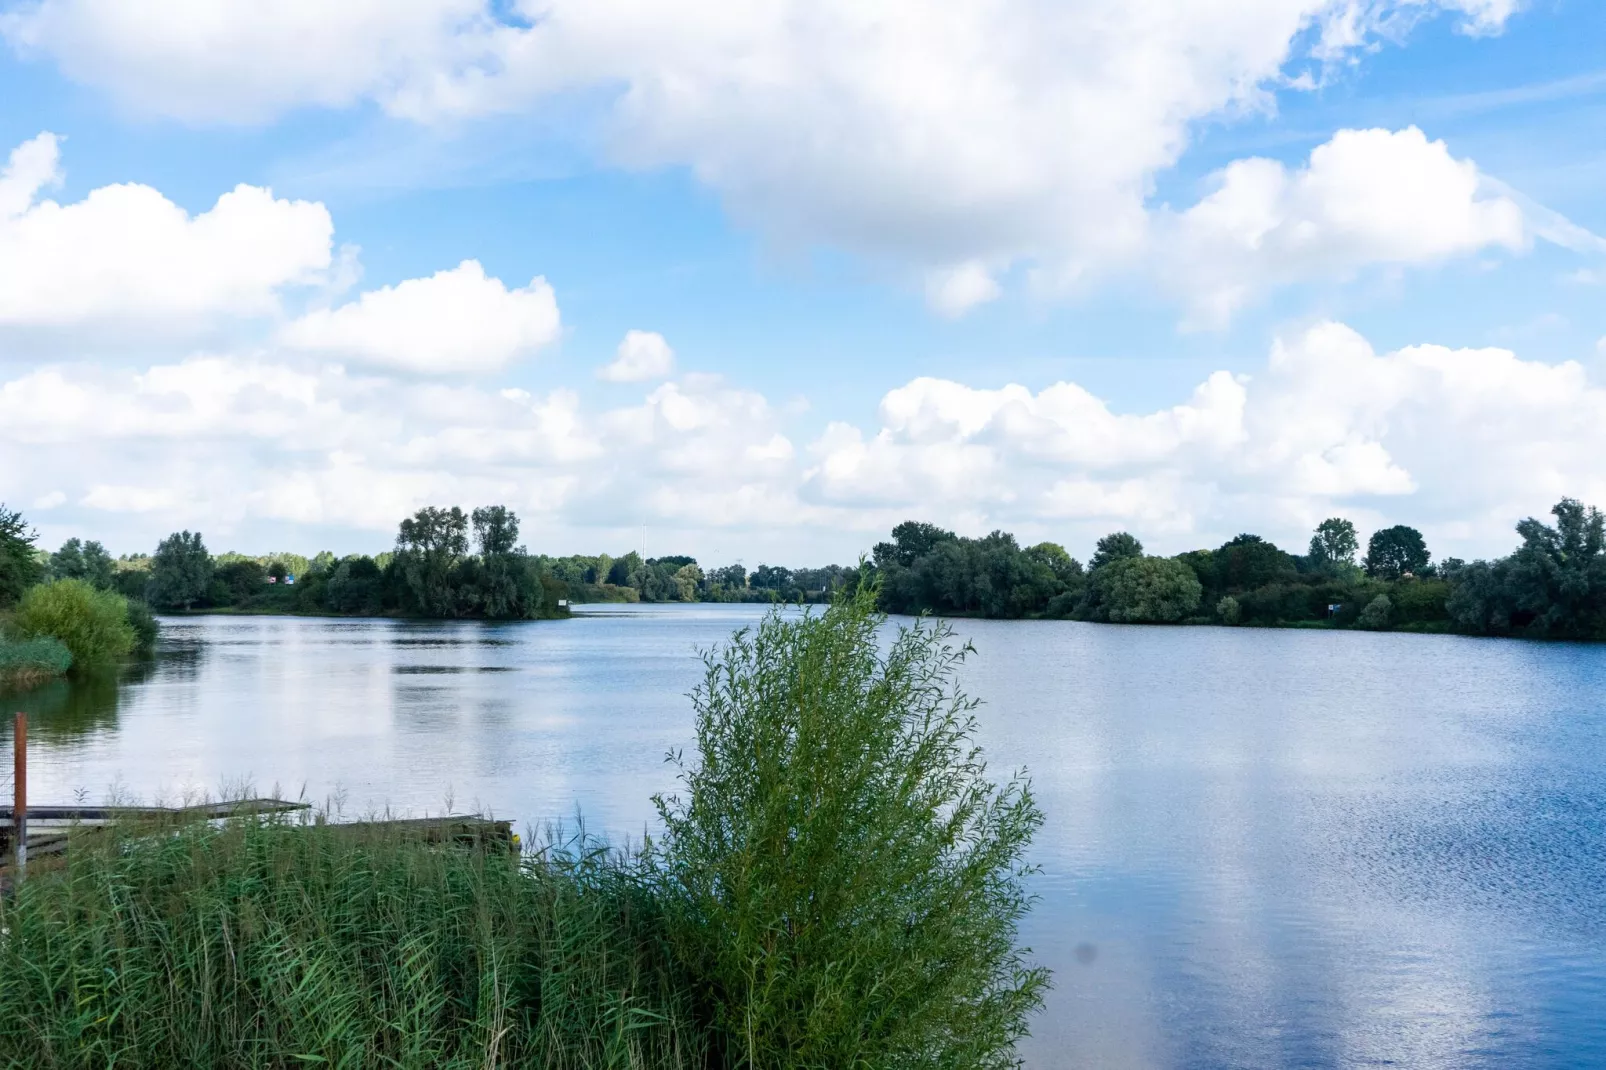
(782,198)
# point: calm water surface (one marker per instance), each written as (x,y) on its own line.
(1263,848)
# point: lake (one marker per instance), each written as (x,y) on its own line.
(1262,848)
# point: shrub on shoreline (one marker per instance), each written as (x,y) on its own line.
(844,882)
(92,624)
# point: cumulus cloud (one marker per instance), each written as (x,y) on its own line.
(1460,443)
(232,443)
(459,320)
(1365,197)
(126,252)
(980,132)
(641,355)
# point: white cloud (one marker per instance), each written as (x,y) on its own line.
(977,131)
(126,252)
(454,321)
(956,290)
(642,355)
(1365,197)
(1460,443)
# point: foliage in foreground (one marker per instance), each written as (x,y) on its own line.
(840,887)
(272,945)
(93,624)
(844,881)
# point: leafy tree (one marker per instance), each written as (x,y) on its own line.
(239,580)
(845,881)
(911,540)
(687,579)
(1229,610)
(429,547)
(1246,562)
(19,570)
(1067,570)
(1334,545)
(356,586)
(181,571)
(1146,590)
(496,530)
(78,560)
(503,587)
(1556,580)
(1378,614)
(1395,552)
(770,578)
(730,577)
(1114,547)
(91,623)
(673,561)
(623,568)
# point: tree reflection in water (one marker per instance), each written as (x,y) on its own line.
(74,709)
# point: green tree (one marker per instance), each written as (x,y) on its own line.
(1114,547)
(687,579)
(845,881)
(504,578)
(78,560)
(1378,614)
(429,547)
(240,580)
(19,569)
(1147,590)
(1334,545)
(1395,552)
(911,540)
(1229,610)
(91,623)
(1557,578)
(623,568)
(356,587)
(181,572)
(1246,562)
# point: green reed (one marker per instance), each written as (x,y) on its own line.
(269,944)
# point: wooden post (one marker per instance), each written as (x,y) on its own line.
(19,803)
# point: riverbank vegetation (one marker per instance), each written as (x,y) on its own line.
(60,612)
(1553,585)
(837,883)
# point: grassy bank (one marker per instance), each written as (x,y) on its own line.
(837,883)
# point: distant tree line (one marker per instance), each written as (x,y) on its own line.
(446,564)
(1552,586)
(631,578)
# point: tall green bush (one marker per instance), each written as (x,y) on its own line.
(844,880)
(1146,590)
(92,624)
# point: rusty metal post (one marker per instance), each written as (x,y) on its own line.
(19,805)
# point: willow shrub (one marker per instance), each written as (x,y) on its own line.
(92,623)
(843,881)
(274,945)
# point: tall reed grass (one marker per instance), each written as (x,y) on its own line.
(265,944)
